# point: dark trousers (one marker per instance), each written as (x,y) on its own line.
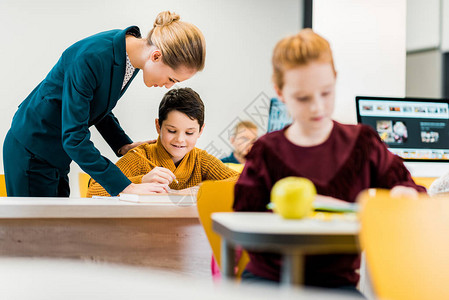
(28,175)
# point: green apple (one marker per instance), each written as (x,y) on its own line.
(293,197)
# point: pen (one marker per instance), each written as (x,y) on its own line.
(149,161)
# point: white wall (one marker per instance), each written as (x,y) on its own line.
(444,25)
(240,36)
(424,70)
(423,24)
(368,41)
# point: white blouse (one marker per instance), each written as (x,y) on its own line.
(128,72)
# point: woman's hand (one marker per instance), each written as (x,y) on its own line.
(145,188)
(400,190)
(125,148)
(159,175)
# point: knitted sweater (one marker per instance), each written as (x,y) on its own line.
(195,167)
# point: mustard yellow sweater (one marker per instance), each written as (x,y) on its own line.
(195,167)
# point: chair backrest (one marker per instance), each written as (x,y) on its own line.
(216,196)
(83,182)
(2,186)
(424,181)
(235,167)
(406,244)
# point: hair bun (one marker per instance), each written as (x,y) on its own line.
(165,18)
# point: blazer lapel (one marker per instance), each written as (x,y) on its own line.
(118,71)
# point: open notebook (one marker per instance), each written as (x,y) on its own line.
(334,206)
(178,197)
(326,205)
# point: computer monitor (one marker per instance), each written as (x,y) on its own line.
(278,116)
(415,129)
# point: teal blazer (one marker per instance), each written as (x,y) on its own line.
(80,91)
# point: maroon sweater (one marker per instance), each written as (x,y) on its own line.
(352,159)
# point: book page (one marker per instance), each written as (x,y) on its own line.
(183,197)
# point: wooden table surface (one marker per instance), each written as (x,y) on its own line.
(163,236)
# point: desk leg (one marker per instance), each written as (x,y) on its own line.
(227,259)
(292,269)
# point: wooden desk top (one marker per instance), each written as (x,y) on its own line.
(28,207)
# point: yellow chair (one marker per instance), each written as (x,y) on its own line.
(83,182)
(424,181)
(235,167)
(406,244)
(217,196)
(2,186)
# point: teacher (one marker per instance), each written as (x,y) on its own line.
(51,126)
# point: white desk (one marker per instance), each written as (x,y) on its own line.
(24,279)
(290,238)
(168,237)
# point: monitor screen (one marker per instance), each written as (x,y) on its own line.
(278,116)
(413,128)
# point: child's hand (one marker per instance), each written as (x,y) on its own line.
(400,190)
(145,188)
(159,175)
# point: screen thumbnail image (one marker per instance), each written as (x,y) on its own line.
(430,137)
(432,109)
(407,109)
(395,108)
(392,132)
(420,109)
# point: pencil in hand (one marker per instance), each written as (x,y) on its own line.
(149,161)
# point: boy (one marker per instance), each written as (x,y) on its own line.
(174,156)
(245,134)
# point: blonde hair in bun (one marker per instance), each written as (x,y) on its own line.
(181,43)
(166,18)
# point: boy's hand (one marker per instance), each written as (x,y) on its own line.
(145,188)
(159,175)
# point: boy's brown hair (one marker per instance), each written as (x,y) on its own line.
(184,100)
